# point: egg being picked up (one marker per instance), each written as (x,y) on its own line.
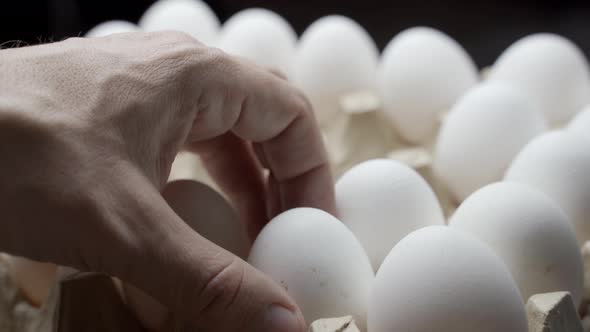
(440,279)
(530,233)
(335,57)
(193,17)
(261,36)
(208,214)
(481,135)
(551,69)
(421,74)
(558,164)
(381,201)
(318,261)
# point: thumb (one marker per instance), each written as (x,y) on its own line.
(243,313)
(199,282)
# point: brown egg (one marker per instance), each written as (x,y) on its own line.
(210,215)
(151,313)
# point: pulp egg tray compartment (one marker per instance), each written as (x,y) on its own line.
(93,302)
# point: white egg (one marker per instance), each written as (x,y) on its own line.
(190,16)
(34,279)
(421,74)
(262,36)
(439,279)
(580,124)
(318,261)
(335,57)
(210,215)
(552,69)
(111,27)
(381,201)
(558,164)
(481,135)
(530,233)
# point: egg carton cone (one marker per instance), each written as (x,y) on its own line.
(360,102)
(361,131)
(553,312)
(485,72)
(340,324)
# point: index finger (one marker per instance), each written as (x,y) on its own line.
(270,112)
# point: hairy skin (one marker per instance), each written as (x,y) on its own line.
(88,132)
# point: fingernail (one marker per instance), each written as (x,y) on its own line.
(280,319)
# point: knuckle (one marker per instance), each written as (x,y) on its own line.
(174,44)
(217,53)
(223,62)
(175,36)
(218,112)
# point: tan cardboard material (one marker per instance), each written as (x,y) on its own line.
(91,302)
(340,324)
(553,312)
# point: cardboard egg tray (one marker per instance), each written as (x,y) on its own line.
(93,302)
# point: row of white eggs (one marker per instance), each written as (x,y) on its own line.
(390,260)
(421,72)
(427,274)
(539,82)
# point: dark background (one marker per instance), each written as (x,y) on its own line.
(484,28)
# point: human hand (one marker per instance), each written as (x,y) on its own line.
(89,129)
